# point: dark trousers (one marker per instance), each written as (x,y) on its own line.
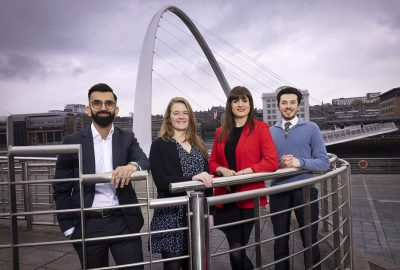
(281,223)
(237,235)
(124,251)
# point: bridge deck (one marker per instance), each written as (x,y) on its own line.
(357,132)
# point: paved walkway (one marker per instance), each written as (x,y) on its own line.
(376,218)
(376,233)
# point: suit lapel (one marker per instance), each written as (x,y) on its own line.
(116,148)
(89,162)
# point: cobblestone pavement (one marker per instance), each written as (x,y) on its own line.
(376,233)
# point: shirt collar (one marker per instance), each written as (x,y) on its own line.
(96,134)
(293,122)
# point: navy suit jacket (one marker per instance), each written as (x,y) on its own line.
(125,148)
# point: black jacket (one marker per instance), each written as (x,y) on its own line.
(125,148)
(166,167)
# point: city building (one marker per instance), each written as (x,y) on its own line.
(346,111)
(39,128)
(369,98)
(356,107)
(75,108)
(3,132)
(389,103)
(271,114)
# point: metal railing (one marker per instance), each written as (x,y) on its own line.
(334,200)
(335,214)
(38,195)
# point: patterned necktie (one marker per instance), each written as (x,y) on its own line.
(287,125)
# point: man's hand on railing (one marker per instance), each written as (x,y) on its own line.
(204,177)
(289,161)
(121,176)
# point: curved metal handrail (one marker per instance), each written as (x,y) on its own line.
(196,228)
(241,179)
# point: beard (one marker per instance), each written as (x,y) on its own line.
(103,121)
(289,115)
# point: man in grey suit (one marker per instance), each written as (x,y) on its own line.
(105,148)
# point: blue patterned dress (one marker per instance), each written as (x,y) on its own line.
(175,217)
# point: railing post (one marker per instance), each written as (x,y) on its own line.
(52,173)
(83,221)
(336,221)
(348,250)
(308,262)
(3,191)
(198,231)
(324,205)
(13,210)
(27,196)
(207,234)
(257,232)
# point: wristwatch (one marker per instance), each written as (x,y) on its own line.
(135,164)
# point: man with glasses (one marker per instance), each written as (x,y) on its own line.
(105,148)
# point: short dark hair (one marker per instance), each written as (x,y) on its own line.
(101,87)
(289,90)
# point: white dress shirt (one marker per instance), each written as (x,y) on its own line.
(105,194)
(292,121)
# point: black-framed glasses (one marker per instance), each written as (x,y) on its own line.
(97,104)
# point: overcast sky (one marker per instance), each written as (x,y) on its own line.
(51,51)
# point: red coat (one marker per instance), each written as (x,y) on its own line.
(256,150)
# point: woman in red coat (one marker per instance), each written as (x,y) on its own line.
(242,145)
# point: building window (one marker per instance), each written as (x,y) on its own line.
(50,137)
(40,138)
(57,136)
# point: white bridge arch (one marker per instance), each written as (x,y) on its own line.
(143,93)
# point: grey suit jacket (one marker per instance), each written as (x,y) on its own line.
(125,148)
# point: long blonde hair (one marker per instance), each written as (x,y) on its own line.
(167,131)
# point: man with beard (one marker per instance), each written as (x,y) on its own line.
(300,145)
(105,148)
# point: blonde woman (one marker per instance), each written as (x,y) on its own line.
(177,155)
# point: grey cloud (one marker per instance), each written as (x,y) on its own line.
(18,66)
(309,42)
(77,71)
(67,26)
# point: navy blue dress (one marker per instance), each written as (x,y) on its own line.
(175,217)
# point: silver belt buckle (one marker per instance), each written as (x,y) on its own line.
(105,214)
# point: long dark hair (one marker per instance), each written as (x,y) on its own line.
(229,119)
